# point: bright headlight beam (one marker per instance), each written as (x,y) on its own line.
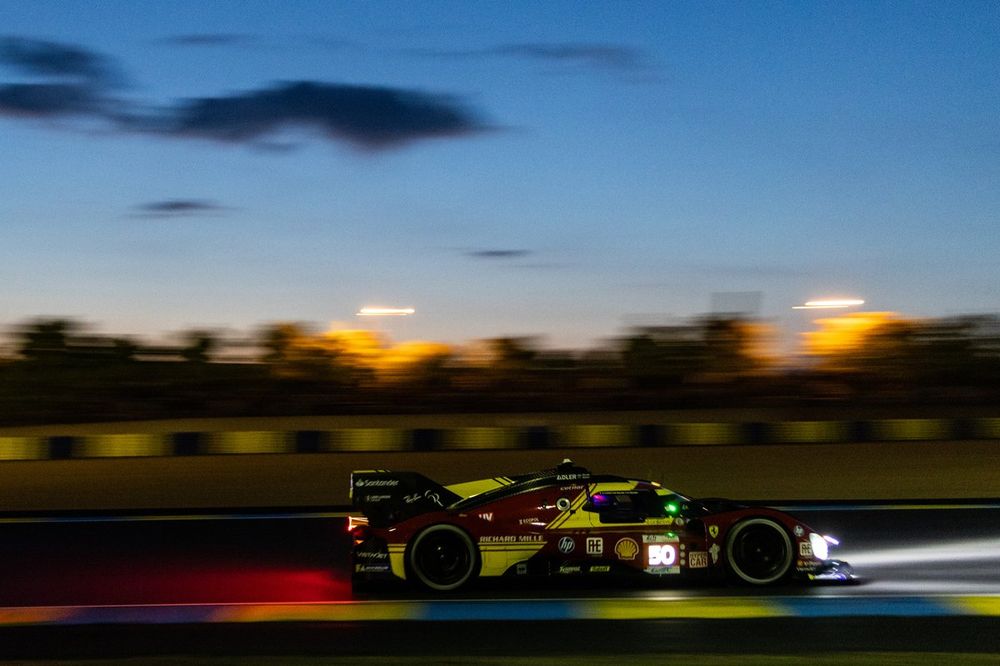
(955,551)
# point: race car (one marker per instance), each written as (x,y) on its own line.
(565,521)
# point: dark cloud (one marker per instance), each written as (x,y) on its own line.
(592,55)
(498,254)
(76,82)
(368,116)
(48,99)
(587,55)
(51,59)
(179,208)
(208,39)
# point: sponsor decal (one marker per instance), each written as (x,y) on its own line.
(376,483)
(805,549)
(511,539)
(698,559)
(661,555)
(713,531)
(371,568)
(595,546)
(714,552)
(659,538)
(488,517)
(566,488)
(799,531)
(371,555)
(428,495)
(572,477)
(374,499)
(567,545)
(626,549)
(570,569)
(600,568)
(527,521)
(521,569)
(562,503)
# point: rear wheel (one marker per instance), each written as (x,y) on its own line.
(759,551)
(442,558)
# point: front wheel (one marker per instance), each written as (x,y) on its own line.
(759,551)
(442,558)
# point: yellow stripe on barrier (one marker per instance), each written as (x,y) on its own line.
(335,612)
(978,605)
(650,609)
(987,428)
(367,439)
(23,448)
(704,433)
(249,441)
(595,435)
(808,431)
(481,438)
(911,429)
(124,446)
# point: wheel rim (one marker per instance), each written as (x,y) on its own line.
(760,551)
(442,558)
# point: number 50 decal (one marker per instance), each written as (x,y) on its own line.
(662,555)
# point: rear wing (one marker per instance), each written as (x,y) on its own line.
(387,498)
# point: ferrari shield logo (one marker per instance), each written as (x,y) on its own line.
(713,531)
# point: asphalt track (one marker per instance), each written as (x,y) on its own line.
(263,583)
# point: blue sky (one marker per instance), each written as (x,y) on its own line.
(557,169)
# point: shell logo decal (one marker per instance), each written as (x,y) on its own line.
(626,549)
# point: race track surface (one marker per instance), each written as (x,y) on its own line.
(258,582)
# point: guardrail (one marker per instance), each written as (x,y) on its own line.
(394,439)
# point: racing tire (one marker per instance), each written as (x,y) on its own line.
(442,558)
(759,552)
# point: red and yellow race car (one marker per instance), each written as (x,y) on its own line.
(567,521)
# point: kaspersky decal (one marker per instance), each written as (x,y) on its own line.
(626,549)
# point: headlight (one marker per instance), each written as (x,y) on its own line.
(819,546)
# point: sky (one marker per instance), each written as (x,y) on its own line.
(555,169)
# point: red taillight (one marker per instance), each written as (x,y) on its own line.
(357,526)
(354,522)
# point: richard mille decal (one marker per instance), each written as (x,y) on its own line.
(511,539)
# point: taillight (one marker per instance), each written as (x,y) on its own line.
(357,526)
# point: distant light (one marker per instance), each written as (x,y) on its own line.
(832,304)
(384,312)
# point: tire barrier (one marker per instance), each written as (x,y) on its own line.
(15,447)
